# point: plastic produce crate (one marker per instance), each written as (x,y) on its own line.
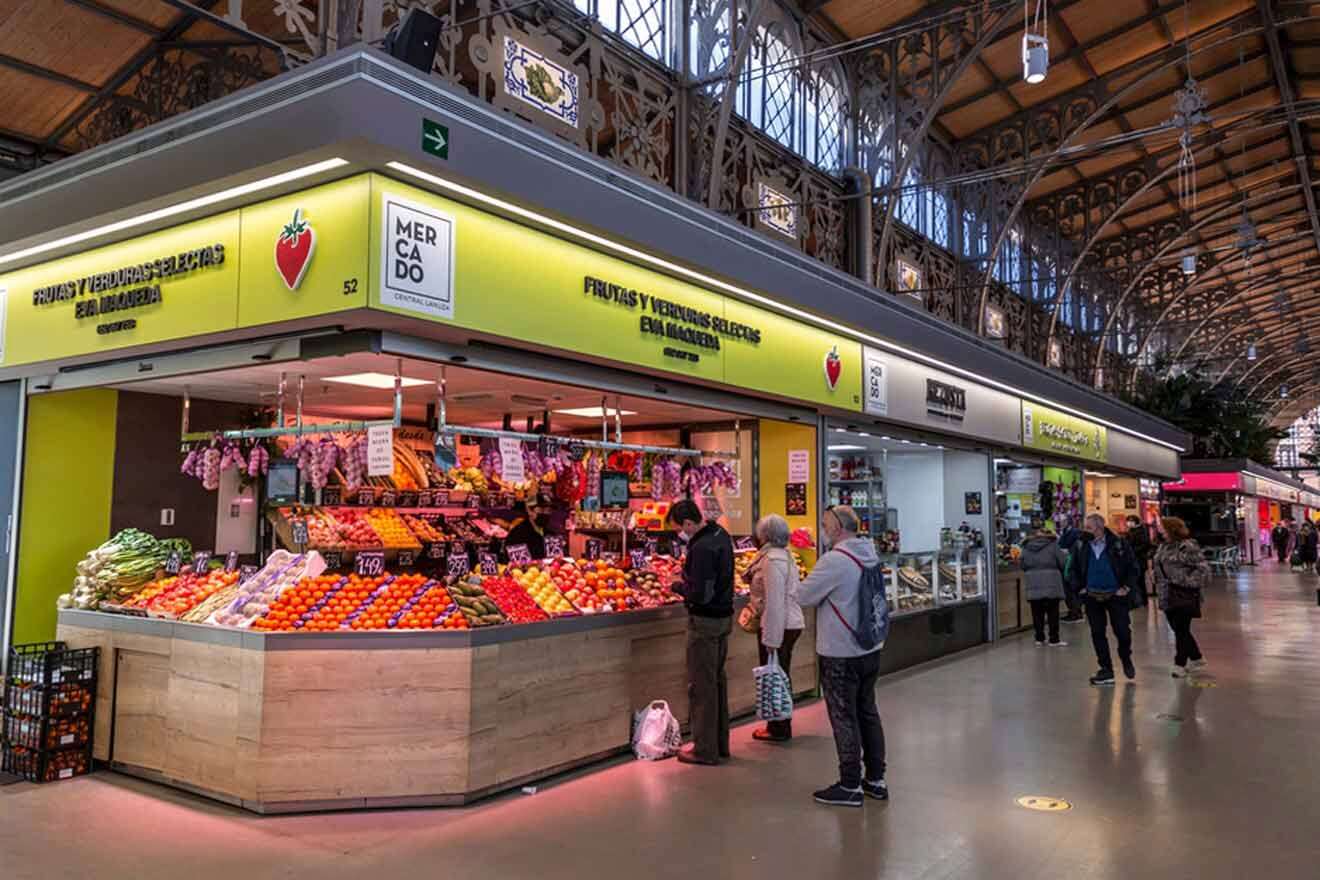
(47,663)
(34,732)
(46,765)
(55,701)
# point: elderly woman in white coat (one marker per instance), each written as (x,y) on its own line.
(773,576)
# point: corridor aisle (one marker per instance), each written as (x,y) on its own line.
(1168,780)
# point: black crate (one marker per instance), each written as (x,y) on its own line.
(56,701)
(34,732)
(46,765)
(47,663)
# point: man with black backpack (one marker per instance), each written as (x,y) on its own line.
(851,625)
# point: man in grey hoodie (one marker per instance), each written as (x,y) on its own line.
(848,672)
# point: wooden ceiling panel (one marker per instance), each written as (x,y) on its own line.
(1137,43)
(974,116)
(1306,60)
(973,81)
(34,106)
(857,18)
(69,39)
(1093,18)
(1063,78)
(156,13)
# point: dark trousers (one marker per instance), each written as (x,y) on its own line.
(1180,621)
(782,729)
(1071,599)
(1281,551)
(849,687)
(1113,611)
(1043,611)
(708,686)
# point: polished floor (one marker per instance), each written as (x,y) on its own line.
(1167,780)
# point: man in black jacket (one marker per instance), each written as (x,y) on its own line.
(707,590)
(1104,571)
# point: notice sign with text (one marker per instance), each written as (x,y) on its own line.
(511,460)
(380,451)
(417,263)
(799,465)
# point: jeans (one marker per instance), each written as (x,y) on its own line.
(849,687)
(1043,610)
(708,686)
(782,729)
(1180,621)
(1118,613)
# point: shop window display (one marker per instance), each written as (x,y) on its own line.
(924,506)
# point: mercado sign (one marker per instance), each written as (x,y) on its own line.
(1049,430)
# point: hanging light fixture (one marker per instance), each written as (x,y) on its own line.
(1035,43)
(1283,392)
(1189,261)
(1251,351)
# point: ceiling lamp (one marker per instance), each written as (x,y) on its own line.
(1189,261)
(1283,392)
(1251,351)
(1035,44)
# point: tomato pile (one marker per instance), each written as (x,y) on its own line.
(513,600)
(173,596)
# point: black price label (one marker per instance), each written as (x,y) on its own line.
(173,563)
(458,547)
(435,550)
(388,498)
(440,498)
(365,497)
(333,559)
(554,546)
(576,451)
(487,562)
(300,532)
(425,499)
(409,499)
(369,563)
(407,558)
(519,554)
(332,496)
(245,572)
(747,543)
(548,447)
(474,501)
(231,561)
(637,558)
(458,565)
(652,547)
(201,559)
(593,548)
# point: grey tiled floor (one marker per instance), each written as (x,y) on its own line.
(1230,791)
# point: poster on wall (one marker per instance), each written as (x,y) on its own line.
(1129,502)
(996,326)
(795,499)
(972,503)
(875,383)
(799,465)
(909,280)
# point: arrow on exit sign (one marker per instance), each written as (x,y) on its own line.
(435,139)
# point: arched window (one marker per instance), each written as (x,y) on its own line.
(825,117)
(709,38)
(769,92)
(649,25)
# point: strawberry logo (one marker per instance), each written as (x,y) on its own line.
(294,249)
(833,367)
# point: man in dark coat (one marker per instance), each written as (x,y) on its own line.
(1104,572)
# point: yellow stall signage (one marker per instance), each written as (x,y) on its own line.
(1049,430)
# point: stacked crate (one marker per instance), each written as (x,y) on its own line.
(49,711)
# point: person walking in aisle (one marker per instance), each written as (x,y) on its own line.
(1306,545)
(848,672)
(1104,573)
(1043,563)
(772,611)
(1282,536)
(1068,539)
(1180,572)
(1143,548)
(707,590)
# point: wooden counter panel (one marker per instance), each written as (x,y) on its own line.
(141,705)
(202,715)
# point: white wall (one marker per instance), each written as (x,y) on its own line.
(915,484)
(966,472)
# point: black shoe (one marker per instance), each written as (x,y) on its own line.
(1103,677)
(877,790)
(1071,618)
(838,796)
(1129,670)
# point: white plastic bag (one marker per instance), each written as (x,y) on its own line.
(656,733)
(774,694)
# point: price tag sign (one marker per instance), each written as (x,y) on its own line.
(380,450)
(231,561)
(365,497)
(173,563)
(576,450)
(487,562)
(554,546)
(435,550)
(201,560)
(369,563)
(332,496)
(407,558)
(333,559)
(548,447)
(409,499)
(519,554)
(746,543)
(593,548)
(457,565)
(474,501)
(440,498)
(246,572)
(388,498)
(300,532)
(507,499)
(652,547)
(425,499)
(458,547)
(637,558)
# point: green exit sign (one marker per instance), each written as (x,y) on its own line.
(435,139)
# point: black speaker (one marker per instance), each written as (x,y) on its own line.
(414,40)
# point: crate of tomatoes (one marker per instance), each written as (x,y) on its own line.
(46,765)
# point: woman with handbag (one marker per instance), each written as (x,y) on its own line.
(1180,572)
(773,612)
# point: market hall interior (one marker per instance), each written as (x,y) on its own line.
(1166,779)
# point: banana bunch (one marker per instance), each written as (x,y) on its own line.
(409,472)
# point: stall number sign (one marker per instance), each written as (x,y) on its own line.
(554,546)
(369,563)
(417,269)
(519,554)
(380,450)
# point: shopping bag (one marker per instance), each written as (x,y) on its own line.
(656,733)
(774,694)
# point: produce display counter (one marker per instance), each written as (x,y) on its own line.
(284,722)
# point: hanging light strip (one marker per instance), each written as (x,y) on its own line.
(609,445)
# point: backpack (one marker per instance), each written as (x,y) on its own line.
(872,624)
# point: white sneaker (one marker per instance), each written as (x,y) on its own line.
(1179,672)
(1196,665)
(1058,644)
